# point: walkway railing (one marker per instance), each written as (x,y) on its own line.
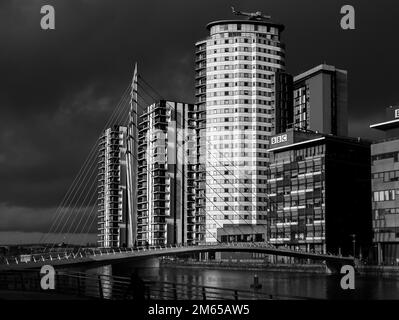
(101,286)
(83,253)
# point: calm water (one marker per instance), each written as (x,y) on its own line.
(320,286)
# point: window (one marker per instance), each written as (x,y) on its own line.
(386,195)
(383,156)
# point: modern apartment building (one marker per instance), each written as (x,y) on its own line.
(385,187)
(112,194)
(237,67)
(319,193)
(166,175)
(200,167)
(320,100)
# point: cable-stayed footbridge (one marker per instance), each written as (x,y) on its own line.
(77,217)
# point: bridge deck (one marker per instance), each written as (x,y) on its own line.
(112,256)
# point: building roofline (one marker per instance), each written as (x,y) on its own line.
(385,125)
(328,137)
(320,68)
(199,42)
(258,22)
(295,144)
(167,104)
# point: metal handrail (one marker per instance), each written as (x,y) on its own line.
(89,252)
(102,286)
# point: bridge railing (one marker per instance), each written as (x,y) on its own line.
(83,253)
(102,286)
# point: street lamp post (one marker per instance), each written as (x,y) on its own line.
(354,244)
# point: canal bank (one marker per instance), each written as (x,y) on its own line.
(250,266)
(379,271)
(279,283)
(306,281)
(364,270)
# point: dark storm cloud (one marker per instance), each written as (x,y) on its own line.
(69,220)
(57,88)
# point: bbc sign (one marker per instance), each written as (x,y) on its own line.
(396,113)
(279,139)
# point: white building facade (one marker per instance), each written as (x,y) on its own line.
(236,69)
(166,191)
(112,211)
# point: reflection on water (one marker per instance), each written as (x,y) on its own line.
(106,284)
(291,284)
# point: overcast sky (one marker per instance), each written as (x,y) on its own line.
(57,88)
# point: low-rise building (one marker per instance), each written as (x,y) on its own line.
(318,190)
(385,188)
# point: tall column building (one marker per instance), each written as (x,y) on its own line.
(200,107)
(166,190)
(321,100)
(112,194)
(236,71)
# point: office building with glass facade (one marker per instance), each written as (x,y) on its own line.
(319,192)
(385,188)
